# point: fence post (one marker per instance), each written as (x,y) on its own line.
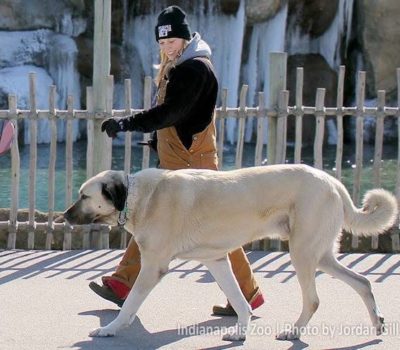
(146,136)
(101,70)
(221,131)
(299,115)
(67,242)
(52,167)
(128,134)
(396,234)
(360,98)
(339,119)
(89,133)
(319,128)
(281,129)
(277,83)
(33,159)
(241,126)
(379,131)
(15,174)
(260,129)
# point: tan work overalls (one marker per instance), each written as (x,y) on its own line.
(174,155)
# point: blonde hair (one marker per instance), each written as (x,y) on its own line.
(165,64)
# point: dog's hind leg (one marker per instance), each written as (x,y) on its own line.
(222,272)
(360,284)
(305,267)
(150,274)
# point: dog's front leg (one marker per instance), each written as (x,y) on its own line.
(222,271)
(150,274)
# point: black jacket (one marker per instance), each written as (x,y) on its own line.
(189,102)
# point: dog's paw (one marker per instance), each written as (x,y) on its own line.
(380,327)
(235,334)
(288,335)
(234,337)
(102,332)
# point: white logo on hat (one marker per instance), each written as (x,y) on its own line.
(163,30)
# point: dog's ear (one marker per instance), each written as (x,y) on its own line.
(116,193)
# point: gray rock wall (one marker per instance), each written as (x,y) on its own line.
(373,45)
(377,33)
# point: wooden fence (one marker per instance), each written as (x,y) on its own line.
(275,114)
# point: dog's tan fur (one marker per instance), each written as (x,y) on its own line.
(204,214)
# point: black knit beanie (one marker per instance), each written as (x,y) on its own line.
(171,23)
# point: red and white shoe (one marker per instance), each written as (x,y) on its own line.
(111,290)
(227,310)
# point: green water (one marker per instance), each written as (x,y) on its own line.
(388,169)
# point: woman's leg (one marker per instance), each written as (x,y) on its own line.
(129,267)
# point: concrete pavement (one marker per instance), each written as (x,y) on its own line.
(45,304)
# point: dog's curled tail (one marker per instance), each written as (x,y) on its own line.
(378,213)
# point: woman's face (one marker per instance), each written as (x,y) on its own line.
(172,47)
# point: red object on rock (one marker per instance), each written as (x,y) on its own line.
(6,136)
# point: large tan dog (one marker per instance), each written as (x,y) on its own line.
(204,214)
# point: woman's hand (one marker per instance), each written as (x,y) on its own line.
(114,125)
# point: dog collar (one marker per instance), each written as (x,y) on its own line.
(123,213)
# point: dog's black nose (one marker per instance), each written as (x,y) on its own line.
(67,216)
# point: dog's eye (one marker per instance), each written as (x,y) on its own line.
(84,196)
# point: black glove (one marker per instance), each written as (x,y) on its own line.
(114,125)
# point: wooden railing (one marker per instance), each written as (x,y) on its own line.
(275,114)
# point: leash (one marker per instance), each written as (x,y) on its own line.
(123,214)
